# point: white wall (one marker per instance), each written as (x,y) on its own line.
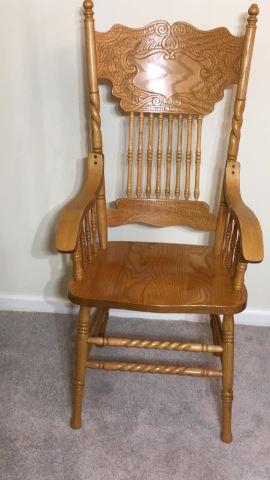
(43,133)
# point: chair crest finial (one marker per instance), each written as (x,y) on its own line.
(253,11)
(88,6)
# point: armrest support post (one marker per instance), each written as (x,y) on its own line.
(239,276)
(77,264)
(247,223)
(73,214)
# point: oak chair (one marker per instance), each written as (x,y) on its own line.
(166,78)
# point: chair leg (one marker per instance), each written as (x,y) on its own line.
(81,358)
(98,328)
(215,339)
(227,379)
(103,324)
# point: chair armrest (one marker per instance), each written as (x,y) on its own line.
(73,213)
(249,227)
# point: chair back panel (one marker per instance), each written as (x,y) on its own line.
(167,77)
(168,68)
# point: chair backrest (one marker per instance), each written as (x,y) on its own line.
(167,77)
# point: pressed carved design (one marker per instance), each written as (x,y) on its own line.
(161,213)
(168,68)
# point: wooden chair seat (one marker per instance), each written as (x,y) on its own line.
(159,277)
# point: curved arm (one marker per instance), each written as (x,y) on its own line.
(73,213)
(249,227)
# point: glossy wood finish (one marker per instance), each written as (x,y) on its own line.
(168,68)
(97,325)
(248,224)
(71,217)
(242,85)
(249,247)
(216,327)
(81,358)
(198,158)
(169,156)
(94,110)
(153,368)
(179,157)
(159,155)
(150,156)
(154,344)
(130,155)
(168,170)
(227,379)
(132,275)
(162,213)
(140,156)
(167,77)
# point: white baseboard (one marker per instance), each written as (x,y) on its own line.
(27,303)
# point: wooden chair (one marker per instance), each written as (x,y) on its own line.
(167,77)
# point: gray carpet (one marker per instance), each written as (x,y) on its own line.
(136,426)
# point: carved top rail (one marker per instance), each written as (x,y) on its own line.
(168,68)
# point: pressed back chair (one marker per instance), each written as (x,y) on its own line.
(167,77)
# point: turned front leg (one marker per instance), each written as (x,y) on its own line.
(81,359)
(227,379)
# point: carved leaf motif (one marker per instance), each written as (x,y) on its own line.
(168,68)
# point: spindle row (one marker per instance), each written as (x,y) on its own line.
(86,246)
(231,250)
(163,153)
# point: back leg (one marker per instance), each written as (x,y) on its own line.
(81,359)
(216,328)
(98,326)
(103,323)
(227,379)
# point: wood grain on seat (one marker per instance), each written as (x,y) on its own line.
(158,277)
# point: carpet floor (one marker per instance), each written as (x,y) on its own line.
(135,426)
